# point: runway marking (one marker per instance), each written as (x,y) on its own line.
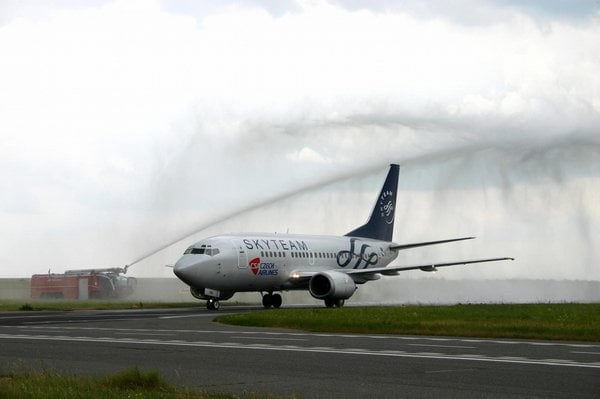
(272,339)
(194,315)
(306,334)
(361,352)
(447,371)
(443,346)
(587,353)
(145,333)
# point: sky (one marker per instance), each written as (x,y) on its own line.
(128,125)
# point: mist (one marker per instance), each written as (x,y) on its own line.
(186,122)
(515,201)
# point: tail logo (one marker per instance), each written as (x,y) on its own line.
(386,207)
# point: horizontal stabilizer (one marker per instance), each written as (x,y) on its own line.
(422,244)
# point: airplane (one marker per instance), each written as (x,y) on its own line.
(329,267)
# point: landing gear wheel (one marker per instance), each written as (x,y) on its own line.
(267,301)
(276,301)
(334,303)
(213,304)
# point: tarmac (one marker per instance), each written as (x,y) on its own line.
(191,350)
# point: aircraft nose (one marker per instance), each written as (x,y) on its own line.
(184,269)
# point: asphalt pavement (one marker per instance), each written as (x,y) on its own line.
(189,349)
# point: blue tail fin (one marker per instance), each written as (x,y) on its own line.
(380,225)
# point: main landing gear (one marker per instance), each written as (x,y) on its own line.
(271,299)
(213,304)
(331,303)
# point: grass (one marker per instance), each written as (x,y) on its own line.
(63,305)
(576,322)
(131,383)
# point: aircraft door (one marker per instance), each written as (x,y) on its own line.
(242,256)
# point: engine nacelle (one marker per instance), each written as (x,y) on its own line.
(331,284)
(200,293)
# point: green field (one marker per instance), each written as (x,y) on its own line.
(132,383)
(67,305)
(576,322)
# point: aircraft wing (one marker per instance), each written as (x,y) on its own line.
(395,247)
(304,276)
(429,267)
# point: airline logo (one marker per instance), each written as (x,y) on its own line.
(366,255)
(386,207)
(263,268)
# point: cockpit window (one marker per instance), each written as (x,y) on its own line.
(206,251)
(202,250)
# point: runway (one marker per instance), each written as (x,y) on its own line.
(189,349)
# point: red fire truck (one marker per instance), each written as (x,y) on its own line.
(83,284)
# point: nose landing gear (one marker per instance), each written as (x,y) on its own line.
(271,300)
(213,304)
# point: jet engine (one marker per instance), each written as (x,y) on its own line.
(331,285)
(199,293)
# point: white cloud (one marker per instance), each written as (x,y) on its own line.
(307,154)
(124,116)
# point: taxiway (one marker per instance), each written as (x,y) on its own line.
(189,349)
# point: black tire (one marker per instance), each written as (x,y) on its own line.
(329,302)
(339,303)
(276,301)
(216,305)
(267,301)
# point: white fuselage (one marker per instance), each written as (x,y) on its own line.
(271,262)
